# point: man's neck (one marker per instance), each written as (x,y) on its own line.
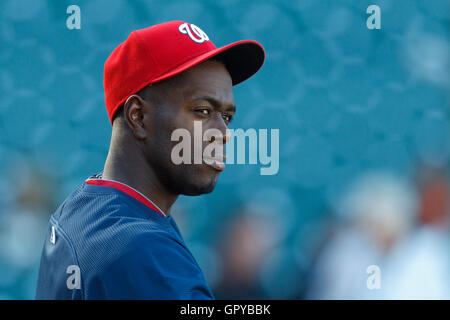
(137,173)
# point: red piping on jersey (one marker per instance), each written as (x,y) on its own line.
(126,189)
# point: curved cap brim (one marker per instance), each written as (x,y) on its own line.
(242,60)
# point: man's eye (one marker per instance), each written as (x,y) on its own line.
(227,117)
(203,111)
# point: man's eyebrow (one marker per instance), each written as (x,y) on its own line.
(216,103)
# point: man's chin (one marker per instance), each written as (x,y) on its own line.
(197,189)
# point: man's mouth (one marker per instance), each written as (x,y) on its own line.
(216,163)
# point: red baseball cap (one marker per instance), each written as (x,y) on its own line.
(161,51)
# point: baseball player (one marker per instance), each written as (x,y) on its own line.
(113,237)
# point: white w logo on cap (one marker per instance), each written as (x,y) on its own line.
(195,33)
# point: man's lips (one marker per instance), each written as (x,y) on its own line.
(216,163)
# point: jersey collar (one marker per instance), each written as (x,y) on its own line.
(125,189)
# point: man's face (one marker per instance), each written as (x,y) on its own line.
(203,94)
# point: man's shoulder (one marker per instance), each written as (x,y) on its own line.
(145,256)
(104,207)
(102,227)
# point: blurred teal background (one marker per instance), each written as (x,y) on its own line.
(348,101)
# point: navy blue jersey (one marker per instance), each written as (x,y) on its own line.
(108,241)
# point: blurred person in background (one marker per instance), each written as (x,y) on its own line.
(420,267)
(28,203)
(246,241)
(434,192)
(401,228)
(376,214)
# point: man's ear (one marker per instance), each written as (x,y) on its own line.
(134,113)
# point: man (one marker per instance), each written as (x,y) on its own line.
(113,237)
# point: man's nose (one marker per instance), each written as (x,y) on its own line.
(223,128)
